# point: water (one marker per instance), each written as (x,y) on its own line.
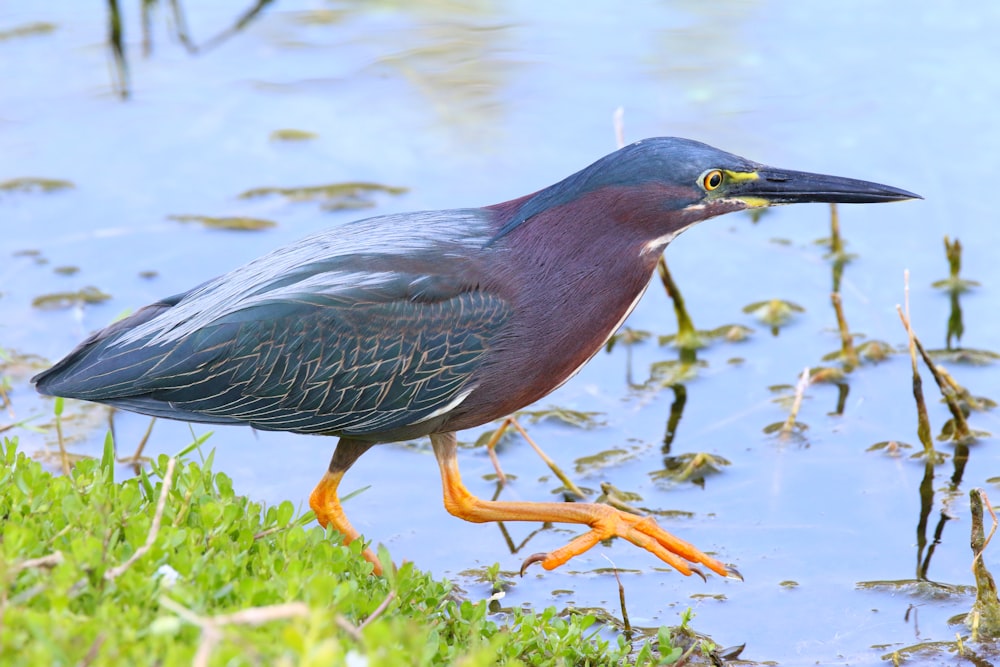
(470,104)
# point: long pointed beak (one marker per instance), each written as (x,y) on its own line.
(778,186)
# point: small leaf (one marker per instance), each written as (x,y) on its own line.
(108,458)
(774,313)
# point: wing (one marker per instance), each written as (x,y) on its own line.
(350,343)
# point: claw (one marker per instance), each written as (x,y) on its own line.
(531,560)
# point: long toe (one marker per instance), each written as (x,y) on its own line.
(604,521)
(642,531)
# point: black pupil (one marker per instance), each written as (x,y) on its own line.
(714,180)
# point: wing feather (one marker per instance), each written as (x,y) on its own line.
(358,370)
(369,327)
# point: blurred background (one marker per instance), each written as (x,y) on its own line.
(146,147)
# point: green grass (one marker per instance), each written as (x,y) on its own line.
(89,578)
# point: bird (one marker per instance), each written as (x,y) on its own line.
(427,323)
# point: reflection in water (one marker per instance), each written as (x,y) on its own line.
(690,57)
(843,389)
(627,337)
(116,35)
(115,42)
(242,21)
(453,55)
(513,546)
(955,326)
(676,410)
(955,286)
(960,458)
(926,504)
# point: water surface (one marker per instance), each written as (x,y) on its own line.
(467,104)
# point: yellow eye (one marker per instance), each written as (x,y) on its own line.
(712,180)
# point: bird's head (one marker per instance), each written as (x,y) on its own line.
(670,183)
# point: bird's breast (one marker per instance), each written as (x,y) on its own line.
(567,299)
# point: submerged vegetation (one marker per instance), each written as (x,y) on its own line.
(27,30)
(292,135)
(27,184)
(57,300)
(236,223)
(332,197)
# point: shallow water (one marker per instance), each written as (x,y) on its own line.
(473,103)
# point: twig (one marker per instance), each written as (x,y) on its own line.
(993,529)
(154,529)
(93,651)
(270,531)
(378,610)
(53,559)
(137,456)
(961,392)
(556,470)
(63,456)
(355,630)
(961,424)
(984,617)
(627,629)
(347,627)
(258,615)
(567,482)
(211,626)
(923,421)
(5,401)
(687,339)
(491,447)
(800,390)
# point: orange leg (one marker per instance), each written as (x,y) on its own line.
(325,502)
(604,520)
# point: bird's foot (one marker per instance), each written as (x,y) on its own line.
(642,531)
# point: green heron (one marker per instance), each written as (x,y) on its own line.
(427,323)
